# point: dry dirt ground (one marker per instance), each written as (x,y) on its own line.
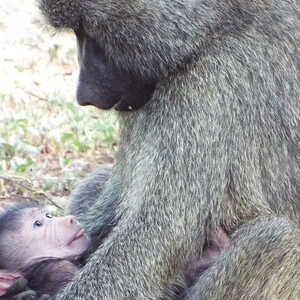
(47,142)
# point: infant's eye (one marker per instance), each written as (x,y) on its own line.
(48,215)
(37,223)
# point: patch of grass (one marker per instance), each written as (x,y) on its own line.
(45,136)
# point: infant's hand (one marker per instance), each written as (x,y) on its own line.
(8,279)
(18,290)
(13,286)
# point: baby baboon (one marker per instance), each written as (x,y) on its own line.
(43,249)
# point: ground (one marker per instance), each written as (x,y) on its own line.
(47,141)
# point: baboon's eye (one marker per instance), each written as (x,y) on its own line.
(48,215)
(37,223)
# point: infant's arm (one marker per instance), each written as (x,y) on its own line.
(48,277)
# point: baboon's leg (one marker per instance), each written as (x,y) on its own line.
(262,262)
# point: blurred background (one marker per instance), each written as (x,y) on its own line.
(47,141)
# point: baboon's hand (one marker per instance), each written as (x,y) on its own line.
(26,295)
(31,295)
(45,297)
(20,291)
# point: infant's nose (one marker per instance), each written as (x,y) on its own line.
(70,220)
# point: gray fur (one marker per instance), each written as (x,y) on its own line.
(84,202)
(216,146)
(87,191)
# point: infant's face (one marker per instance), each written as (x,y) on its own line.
(45,236)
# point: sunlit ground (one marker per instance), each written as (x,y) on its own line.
(47,141)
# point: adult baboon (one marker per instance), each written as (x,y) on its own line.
(213,143)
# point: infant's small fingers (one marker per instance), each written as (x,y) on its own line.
(27,295)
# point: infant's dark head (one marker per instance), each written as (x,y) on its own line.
(28,234)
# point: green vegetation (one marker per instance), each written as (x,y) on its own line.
(47,141)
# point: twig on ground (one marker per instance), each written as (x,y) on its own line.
(34,95)
(27,185)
